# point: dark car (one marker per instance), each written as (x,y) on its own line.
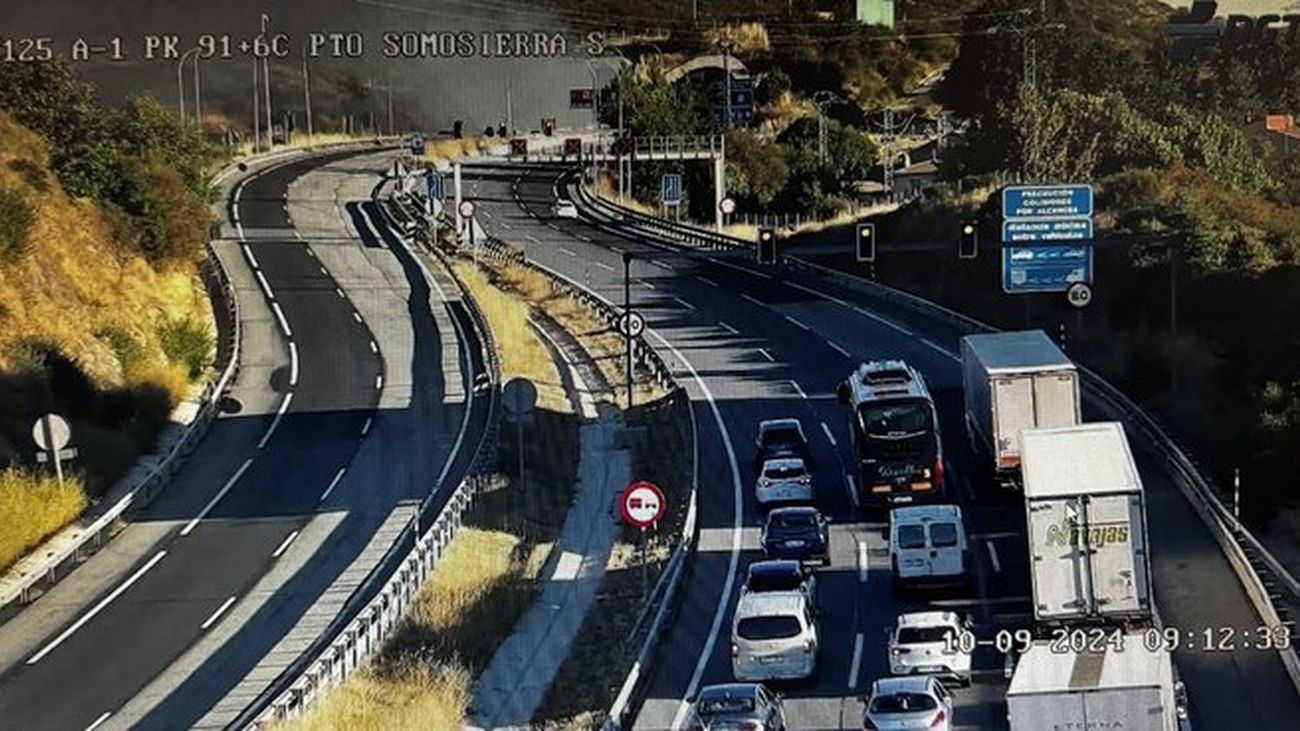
(747,706)
(799,534)
(781,576)
(781,438)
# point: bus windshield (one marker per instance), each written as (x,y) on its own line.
(902,417)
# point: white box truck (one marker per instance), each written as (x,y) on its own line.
(1086,525)
(1131,689)
(1014,381)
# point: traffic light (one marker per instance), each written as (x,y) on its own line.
(458,129)
(969,240)
(865,248)
(766,246)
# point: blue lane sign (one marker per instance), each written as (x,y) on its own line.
(1045,268)
(1047,201)
(417,145)
(1029,231)
(433,182)
(671,190)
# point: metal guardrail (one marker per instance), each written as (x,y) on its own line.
(1258,570)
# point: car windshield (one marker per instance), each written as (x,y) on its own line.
(771,580)
(922,635)
(903,703)
(724,704)
(768,627)
(911,536)
(943,535)
(894,418)
(782,437)
(784,470)
(792,521)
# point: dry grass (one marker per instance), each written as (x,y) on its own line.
(442,152)
(417,699)
(747,39)
(33,507)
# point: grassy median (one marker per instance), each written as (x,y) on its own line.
(33,507)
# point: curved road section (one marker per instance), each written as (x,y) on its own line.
(338,427)
(761,342)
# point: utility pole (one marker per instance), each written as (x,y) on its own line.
(266,79)
(510,114)
(889,152)
(198,100)
(257,122)
(306,91)
(389,84)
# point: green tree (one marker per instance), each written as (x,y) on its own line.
(756,168)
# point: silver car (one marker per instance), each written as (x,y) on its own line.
(737,707)
(908,704)
(783,481)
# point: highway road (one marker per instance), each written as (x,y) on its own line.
(313,471)
(753,343)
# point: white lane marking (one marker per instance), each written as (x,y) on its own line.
(220,610)
(661,265)
(836,347)
(379,381)
(812,291)
(864,562)
(217,498)
(829,436)
(851,485)
(279,315)
(993,557)
(279,414)
(338,291)
(619,249)
(365,428)
(298,235)
(797,323)
(239,190)
(96,609)
(333,484)
(939,348)
(532,238)
(99,721)
(683,303)
(883,320)
(293,363)
(767,354)
(266,288)
(553,227)
(374,348)
(580,237)
(857,662)
(751,299)
(798,389)
(248,252)
(285,545)
(506,226)
(234,214)
(603,265)
(310,253)
(648,285)
(728,328)
(324,271)
(570,252)
(239,229)
(356,316)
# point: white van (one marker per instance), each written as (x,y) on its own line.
(927,544)
(774,636)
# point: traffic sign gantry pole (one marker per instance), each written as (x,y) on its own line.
(627,312)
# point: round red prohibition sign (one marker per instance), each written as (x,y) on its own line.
(642,504)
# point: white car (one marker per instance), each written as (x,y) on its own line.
(564,209)
(774,636)
(908,704)
(783,481)
(928,643)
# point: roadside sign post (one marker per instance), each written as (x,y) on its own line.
(727,206)
(433,188)
(1047,233)
(466,210)
(670,191)
(643,505)
(518,397)
(52,433)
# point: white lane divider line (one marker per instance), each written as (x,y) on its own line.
(603,265)
(285,545)
(220,611)
(217,498)
(797,323)
(379,381)
(752,300)
(836,347)
(618,249)
(683,303)
(856,664)
(338,291)
(939,348)
(581,237)
(266,288)
(506,226)
(706,280)
(798,390)
(829,436)
(293,363)
(279,315)
(310,253)
(532,238)
(99,721)
(864,562)
(570,252)
(374,348)
(728,328)
(661,265)
(851,485)
(96,609)
(324,271)
(356,316)
(993,557)
(883,320)
(338,476)
(365,428)
(279,414)
(812,291)
(647,285)
(234,214)
(248,252)
(767,354)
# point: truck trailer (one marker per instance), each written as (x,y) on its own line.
(1130,688)
(1085,514)
(1014,381)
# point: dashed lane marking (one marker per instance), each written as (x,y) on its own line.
(217,498)
(212,619)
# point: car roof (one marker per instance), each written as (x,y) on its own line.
(783,463)
(924,513)
(901,684)
(729,690)
(787,423)
(794,510)
(928,619)
(770,602)
(768,568)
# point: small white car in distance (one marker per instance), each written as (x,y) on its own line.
(564,209)
(774,636)
(908,704)
(928,643)
(783,481)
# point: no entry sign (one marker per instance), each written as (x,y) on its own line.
(642,504)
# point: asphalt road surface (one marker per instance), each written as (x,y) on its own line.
(769,342)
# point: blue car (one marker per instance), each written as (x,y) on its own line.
(799,534)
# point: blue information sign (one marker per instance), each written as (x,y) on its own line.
(1034,230)
(433,181)
(671,191)
(1047,201)
(1051,268)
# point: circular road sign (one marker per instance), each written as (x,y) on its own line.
(466,209)
(631,324)
(642,504)
(727,205)
(51,432)
(1079,294)
(518,397)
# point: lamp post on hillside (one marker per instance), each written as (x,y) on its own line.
(180,83)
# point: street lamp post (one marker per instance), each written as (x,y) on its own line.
(266,80)
(180,82)
(257,121)
(306,90)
